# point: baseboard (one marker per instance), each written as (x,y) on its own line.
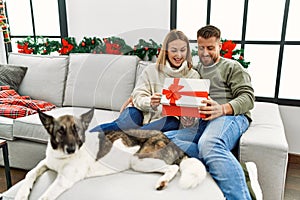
(294,158)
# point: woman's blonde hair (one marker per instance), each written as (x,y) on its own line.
(171,36)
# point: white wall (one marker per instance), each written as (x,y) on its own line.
(130,20)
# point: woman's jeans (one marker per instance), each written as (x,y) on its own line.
(212,142)
(132,118)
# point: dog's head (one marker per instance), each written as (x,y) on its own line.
(67,133)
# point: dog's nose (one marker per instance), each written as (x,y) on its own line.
(71,149)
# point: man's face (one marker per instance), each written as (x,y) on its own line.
(209,50)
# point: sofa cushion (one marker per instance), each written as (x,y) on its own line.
(265,142)
(12,75)
(31,128)
(6,128)
(125,185)
(100,80)
(45,76)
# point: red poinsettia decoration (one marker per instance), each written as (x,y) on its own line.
(112,48)
(66,47)
(227,49)
(23,48)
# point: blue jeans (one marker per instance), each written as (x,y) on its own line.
(212,142)
(132,118)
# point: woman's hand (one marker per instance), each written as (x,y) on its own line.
(128,102)
(155,100)
(213,110)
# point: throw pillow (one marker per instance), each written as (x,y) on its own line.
(12,75)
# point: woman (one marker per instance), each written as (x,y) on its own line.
(175,61)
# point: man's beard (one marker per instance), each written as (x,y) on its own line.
(207,62)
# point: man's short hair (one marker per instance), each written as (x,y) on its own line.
(209,31)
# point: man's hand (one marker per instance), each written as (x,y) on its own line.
(155,100)
(213,110)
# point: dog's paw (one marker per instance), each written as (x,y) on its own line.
(161,184)
(169,173)
(193,172)
(22,194)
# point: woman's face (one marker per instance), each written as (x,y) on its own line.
(177,51)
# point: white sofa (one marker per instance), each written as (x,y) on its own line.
(77,82)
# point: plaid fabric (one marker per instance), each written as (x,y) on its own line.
(13,105)
(4,87)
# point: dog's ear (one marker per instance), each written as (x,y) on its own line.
(87,117)
(47,121)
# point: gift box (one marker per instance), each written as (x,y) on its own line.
(182,97)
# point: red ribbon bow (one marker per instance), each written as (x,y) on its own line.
(173,92)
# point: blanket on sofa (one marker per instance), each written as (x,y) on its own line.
(13,105)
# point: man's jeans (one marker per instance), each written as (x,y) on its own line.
(132,118)
(212,142)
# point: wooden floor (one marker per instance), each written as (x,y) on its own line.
(292,188)
(292,185)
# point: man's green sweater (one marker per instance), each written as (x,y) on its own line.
(229,83)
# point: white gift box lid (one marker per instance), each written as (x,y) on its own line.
(189,85)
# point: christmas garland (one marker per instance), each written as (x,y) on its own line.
(110,45)
(145,50)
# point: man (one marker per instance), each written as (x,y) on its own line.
(228,116)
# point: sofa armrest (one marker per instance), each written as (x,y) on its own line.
(265,144)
